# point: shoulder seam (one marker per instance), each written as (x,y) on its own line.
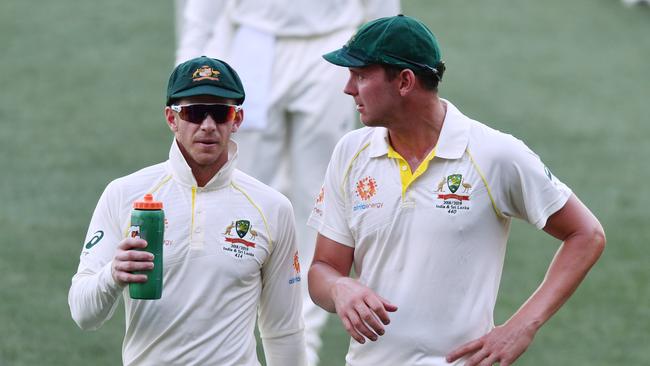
(349,168)
(266,224)
(496,209)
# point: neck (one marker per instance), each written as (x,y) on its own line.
(203,174)
(414,138)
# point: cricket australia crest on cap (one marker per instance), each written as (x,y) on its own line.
(242,243)
(448,196)
(205,73)
(204,76)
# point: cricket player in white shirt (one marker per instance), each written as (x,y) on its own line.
(420,202)
(230,256)
(295,111)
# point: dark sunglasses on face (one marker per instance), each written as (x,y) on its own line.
(197,113)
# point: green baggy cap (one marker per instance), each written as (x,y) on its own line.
(400,41)
(205,76)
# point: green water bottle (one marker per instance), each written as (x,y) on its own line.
(148,223)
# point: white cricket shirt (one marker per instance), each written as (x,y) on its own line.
(434,245)
(229,255)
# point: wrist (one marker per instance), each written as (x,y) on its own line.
(337,285)
(529,325)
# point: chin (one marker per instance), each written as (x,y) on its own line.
(371,123)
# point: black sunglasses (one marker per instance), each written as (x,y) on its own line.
(197,113)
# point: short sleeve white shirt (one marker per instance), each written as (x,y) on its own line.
(436,250)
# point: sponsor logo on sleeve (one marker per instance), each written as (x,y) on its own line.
(95,239)
(296,269)
(548,173)
(319,202)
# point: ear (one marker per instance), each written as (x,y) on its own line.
(407,81)
(170,118)
(239,118)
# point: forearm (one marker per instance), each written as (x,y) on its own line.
(93,298)
(286,350)
(569,267)
(322,278)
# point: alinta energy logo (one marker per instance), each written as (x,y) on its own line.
(365,189)
(317,210)
(237,245)
(296,269)
(452,199)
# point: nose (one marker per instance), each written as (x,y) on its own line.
(350,87)
(208,123)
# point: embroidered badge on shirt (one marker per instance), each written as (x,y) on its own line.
(236,244)
(451,199)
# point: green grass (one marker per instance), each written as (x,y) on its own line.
(81,104)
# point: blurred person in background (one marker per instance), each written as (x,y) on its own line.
(230,256)
(636,2)
(295,112)
(420,202)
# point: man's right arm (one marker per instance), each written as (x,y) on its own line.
(363,312)
(93,292)
(105,261)
(93,295)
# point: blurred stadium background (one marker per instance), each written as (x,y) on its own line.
(81,93)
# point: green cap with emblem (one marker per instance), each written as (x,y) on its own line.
(204,76)
(400,41)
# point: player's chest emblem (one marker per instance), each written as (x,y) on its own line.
(241,243)
(453,194)
(365,189)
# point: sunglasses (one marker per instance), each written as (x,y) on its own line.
(197,113)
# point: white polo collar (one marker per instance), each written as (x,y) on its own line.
(452,142)
(182,172)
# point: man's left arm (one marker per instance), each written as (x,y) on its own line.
(583,242)
(280,312)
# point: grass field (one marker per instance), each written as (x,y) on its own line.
(81,104)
